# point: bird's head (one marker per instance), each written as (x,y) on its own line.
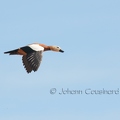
(56,48)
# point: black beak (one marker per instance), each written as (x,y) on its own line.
(61,51)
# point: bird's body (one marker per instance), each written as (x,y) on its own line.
(32,54)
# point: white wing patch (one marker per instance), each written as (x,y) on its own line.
(36,47)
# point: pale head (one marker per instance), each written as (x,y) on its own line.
(56,48)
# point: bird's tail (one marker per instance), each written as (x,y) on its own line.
(12,52)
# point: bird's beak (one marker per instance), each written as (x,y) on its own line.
(61,51)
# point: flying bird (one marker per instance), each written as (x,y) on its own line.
(32,55)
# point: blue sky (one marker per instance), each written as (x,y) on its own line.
(88,32)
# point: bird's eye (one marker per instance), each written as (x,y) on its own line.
(58,47)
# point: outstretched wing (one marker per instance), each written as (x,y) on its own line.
(32,61)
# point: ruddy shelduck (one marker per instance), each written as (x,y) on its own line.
(32,55)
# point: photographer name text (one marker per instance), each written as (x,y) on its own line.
(87,91)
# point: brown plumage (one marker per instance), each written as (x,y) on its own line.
(32,55)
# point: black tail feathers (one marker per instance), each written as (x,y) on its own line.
(12,52)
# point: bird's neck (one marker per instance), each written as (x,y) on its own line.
(46,48)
